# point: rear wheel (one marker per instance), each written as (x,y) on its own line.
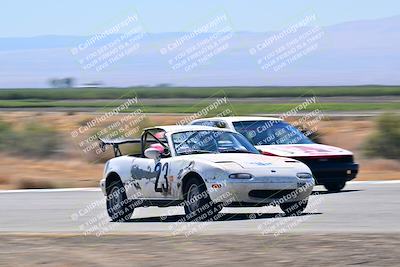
(117,203)
(294,208)
(335,186)
(198,204)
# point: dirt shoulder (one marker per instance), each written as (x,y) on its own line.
(220,250)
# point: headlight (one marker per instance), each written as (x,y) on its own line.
(304,175)
(240,176)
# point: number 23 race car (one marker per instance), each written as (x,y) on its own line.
(202,169)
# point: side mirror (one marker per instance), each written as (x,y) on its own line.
(152,153)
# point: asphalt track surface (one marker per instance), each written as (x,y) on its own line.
(363,207)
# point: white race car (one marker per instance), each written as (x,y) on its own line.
(203,169)
(331,166)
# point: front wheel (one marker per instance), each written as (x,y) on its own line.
(335,186)
(118,207)
(198,204)
(294,208)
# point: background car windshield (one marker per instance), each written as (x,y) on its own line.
(271,133)
(195,142)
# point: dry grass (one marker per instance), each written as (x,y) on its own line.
(24,173)
(74,170)
(35,184)
(352,135)
(3,180)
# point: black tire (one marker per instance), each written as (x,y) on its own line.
(335,186)
(118,207)
(294,208)
(198,204)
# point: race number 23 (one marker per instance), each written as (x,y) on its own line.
(161,169)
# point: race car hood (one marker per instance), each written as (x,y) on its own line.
(247,160)
(303,150)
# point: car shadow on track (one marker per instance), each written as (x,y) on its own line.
(221,217)
(324,192)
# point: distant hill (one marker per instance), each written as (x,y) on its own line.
(359,52)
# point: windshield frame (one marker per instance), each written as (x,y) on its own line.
(240,136)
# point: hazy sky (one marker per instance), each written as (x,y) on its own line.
(22,18)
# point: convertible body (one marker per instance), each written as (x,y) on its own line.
(223,165)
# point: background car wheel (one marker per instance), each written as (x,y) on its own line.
(117,203)
(335,187)
(294,208)
(198,204)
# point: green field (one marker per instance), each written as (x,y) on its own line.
(236,108)
(113,97)
(195,92)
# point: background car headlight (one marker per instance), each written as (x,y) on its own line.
(304,175)
(240,176)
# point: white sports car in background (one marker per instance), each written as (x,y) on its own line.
(202,168)
(331,166)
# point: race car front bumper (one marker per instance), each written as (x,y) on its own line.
(335,169)
(259,191)
(334,173)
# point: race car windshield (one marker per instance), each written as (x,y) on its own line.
(199,142)
(271,133)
